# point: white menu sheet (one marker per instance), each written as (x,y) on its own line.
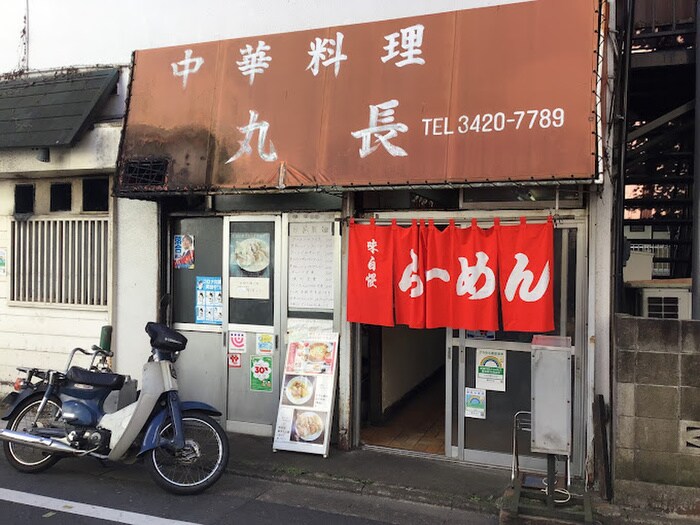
(311,265)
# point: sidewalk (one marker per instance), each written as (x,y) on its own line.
(438,482)
(424,480)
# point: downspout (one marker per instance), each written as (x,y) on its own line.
(347,341)
(695,273)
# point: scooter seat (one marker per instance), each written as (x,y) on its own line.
(103,379)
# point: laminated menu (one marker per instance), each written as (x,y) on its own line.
(307,394)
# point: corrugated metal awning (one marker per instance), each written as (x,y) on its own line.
(52,110)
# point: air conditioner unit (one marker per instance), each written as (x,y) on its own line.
(665,303)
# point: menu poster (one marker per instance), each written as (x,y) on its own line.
(249,266)
(307,394)
(311,266)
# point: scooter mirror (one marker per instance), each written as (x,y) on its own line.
(106,338)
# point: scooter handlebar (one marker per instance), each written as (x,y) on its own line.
(94,350)
(97,350)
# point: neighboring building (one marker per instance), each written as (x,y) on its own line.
(655,196)
(656,387)
(228,147)
(58,147)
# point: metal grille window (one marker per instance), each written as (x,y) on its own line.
(60,261)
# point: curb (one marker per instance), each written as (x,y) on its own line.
(472,503)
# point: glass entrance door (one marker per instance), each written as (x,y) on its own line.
(487,438)
(252,287)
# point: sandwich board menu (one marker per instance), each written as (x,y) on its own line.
(307,394)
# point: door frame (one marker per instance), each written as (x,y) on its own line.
(580,422)
(583,352)
(276,218)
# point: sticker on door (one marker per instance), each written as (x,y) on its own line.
(234,360)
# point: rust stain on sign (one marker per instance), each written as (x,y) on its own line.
(502,93)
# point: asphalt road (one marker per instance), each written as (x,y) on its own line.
(84,491)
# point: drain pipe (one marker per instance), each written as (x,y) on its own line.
(695,274)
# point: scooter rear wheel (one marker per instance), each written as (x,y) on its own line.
(199,464)
(23,457)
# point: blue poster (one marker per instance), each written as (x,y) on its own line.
(208,306)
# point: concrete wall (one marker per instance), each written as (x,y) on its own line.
(657,413)
(408,357)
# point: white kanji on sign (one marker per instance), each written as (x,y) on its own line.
(255,61)
(371,280)
(372,246)
(372,264)
(187,66)
(383,129)
(411,41)
(323,55)
(249,130)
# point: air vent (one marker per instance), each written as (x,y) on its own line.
(663,307)
(689,437)
(144,172)
(665,303)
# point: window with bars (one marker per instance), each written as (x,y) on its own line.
(60,261)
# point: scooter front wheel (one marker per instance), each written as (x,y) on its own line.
(26,458)
(199,464)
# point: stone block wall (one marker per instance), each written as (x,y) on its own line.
(656,408)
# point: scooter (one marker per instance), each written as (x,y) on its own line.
(53,415)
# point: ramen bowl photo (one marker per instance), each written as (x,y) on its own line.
(317,352)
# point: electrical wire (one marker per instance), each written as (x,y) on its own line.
(557,491)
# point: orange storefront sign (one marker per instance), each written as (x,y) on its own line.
(504,93)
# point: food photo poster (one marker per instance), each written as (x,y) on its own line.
(249,265)
(307,395)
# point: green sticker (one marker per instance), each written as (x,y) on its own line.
(261,373)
